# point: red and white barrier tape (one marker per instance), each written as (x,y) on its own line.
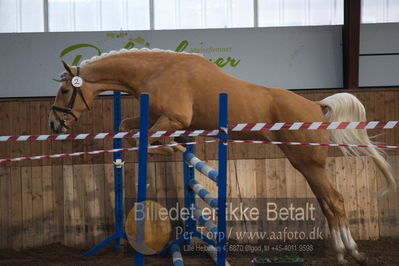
(62,155)
(315,126)
(39,157)
(119,135)
(212,133)
(313,144)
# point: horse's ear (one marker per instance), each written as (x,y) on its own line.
(67,67)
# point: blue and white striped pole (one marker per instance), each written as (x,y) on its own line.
(212,251)
(203,193)
(213,229)
(189,196)
(207,222)
(202,167)
(176,255)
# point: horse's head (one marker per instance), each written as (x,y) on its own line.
(73,97)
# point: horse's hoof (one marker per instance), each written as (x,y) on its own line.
(364,260)
(343,262)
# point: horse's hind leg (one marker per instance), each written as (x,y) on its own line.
(312,165)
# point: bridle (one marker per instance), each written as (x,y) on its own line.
(68,109)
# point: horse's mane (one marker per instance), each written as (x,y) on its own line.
(133,50)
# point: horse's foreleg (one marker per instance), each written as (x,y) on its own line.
(128,125)
(164,123)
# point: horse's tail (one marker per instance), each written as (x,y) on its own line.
(346,107)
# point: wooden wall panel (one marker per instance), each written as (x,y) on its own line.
(27,215)
(37,206)
(74,204)
(16,223)
(5,205)
(48,204)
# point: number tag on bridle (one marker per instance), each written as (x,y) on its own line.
(77,81)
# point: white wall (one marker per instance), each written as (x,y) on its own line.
(379,70)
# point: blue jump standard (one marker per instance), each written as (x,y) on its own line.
(118,186)
(143,160)
(217,246)
(191,188)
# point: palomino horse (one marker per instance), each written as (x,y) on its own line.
(184,91)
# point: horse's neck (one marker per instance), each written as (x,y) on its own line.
(116,73)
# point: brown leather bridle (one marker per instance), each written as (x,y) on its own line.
(68,109)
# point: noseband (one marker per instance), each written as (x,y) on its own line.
(68,108)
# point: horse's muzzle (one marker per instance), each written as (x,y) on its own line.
(57,124)
(53,128)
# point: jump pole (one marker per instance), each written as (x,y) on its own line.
(118,185)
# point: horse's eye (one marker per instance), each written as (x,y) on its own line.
(64,90)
